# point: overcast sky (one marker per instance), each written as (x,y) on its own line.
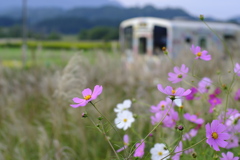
(221,9)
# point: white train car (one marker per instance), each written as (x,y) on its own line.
(147,35)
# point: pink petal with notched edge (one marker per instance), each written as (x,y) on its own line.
(84,103)
(172,76)
(96,92)
(214,125)
(221,143)
(208,131)
(223,136)
(204,52)
(221,128)
(206,57)
(224,156)
(160,88)
(197,49)
(230,155)
(78,100)
(121,149)
(176,70)
(126,138)
(184,68)
(86,92)
(179,91)
(212,143)
(168,90)
(187,92)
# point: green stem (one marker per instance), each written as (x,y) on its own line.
(185,149)
(151,131)
(104,133)
(106,119)
(135,132)
(227,98)
(223,42)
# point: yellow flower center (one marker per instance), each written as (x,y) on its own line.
(173,91)
(214,135)
(162,106)
(199,54)
(87,97)
(160,153)
(125,120)
(179,76)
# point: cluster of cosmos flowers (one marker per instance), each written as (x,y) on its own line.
(221,132)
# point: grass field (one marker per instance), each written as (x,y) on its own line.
(37,122)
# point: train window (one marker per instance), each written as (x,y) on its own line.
(188,40)
(202,42)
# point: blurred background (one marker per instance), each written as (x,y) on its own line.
(50,50)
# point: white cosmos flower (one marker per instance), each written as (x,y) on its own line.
(159,151)
(178,101)
(124,120)
(123,106)
(233,118)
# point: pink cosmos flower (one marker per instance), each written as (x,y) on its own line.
(217,91)
(192,95)
(188,136)
(228,156)
(213,100)
(200,54)
(237,95)
(170,119)
(233,142)
(162,105)
(230,112)
(237,69)
(173,92)
(233,122)
(126,143)
(88,96)
(178,148)
(193,118)
(139,152)
(204,85)
(216,135)
(179,74)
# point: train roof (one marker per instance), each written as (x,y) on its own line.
(179,23)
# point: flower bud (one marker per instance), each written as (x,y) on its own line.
(134,100)
(164,49)
(179,127)
(135,116)
(201,17)
(150,135)
(194,155)
(224,86)
(84,115)
(100,118)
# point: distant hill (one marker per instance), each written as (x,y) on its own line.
(235,20)
(76,19)
(7,21)
(64,4)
